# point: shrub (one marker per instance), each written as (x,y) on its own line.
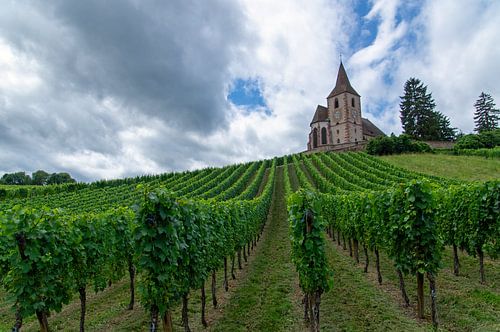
(470,141)
(384,145)
(490,139)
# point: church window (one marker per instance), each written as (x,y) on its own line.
(336,103)
(338,132)
(338,140)
(315,138)
(323,135)
(352,102)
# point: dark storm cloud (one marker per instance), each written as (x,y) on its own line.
(166,58)
(108,66)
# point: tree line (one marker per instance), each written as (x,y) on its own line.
(38,178)
(421,121)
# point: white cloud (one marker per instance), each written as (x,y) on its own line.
(150,95)
(452,46)
(460,55)
(295,56)
(19,73)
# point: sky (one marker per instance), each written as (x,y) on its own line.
(118,88)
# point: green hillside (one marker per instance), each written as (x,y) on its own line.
(244,210)
(466,168)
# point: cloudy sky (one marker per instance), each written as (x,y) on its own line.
(115,88)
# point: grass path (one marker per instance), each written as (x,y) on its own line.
(268,299)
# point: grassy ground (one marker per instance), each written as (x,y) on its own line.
(466,168)
(357,304)
(268,298)
(464,304)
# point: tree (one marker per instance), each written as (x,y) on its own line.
(486,116)
(18,178)
(59,178)
(39,178)
(418,118)
(446,132)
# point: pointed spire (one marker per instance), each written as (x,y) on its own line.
(343,84)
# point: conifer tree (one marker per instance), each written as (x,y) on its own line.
(486,116)
(446,131)
(418,118)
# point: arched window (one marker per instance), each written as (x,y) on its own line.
(323,135)
(315,138)
(352,102)
(338,140)
(336,103)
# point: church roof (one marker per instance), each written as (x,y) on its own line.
(320,115)
(370,129)
(343,84)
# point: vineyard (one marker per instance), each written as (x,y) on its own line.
(280,235)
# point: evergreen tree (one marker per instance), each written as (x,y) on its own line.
(418,118)
(486,116)
(416,109)
(446,131)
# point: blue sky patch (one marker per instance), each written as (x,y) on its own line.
(247,93)
(366,31)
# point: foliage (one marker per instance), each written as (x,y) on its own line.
(38,178)
(60,178)
(484,219)
(160,244)
(415,244)
(384,145)
(470,141)
(308,242)
(180,241)
(490,139)
(469,217)
(485,139)
(17,178)
(36,255)
(94,236)
(418,117)
(485,116)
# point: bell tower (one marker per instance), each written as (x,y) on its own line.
(344,110)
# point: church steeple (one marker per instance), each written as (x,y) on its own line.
(343,84)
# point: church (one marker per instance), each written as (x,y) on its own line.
(340,126)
